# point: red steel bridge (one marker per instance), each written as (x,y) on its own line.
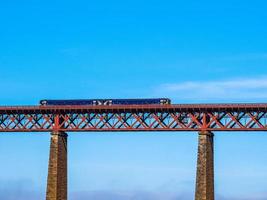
(179,117)
(202,118)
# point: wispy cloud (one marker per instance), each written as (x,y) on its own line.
(128,195)
(151,195)
(15,194)
(246,57)
(259,196)
(19,190)
(240,89)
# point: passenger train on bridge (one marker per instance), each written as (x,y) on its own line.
(107,102)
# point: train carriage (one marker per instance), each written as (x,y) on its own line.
(96,102)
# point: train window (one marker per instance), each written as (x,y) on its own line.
(162,101)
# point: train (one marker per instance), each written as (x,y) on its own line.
(107,102)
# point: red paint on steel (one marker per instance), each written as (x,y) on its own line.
(178,117)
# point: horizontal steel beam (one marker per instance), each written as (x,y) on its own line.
(120,108)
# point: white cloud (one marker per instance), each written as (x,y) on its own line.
(129,195)
(246,57)
(241,89)
(12,194)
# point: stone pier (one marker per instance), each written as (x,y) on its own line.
(57,169)
(205,167)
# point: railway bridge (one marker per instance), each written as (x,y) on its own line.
(204,119)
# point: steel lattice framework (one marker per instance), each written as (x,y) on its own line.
(182,117)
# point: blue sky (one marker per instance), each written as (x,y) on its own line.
(189,51)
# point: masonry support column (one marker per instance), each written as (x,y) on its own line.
(205,167)
(57,169)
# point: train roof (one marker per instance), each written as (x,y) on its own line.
(103,99)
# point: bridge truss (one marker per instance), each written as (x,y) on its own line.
(209,117)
